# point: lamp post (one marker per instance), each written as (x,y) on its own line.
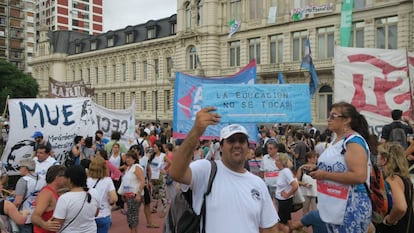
(156,90)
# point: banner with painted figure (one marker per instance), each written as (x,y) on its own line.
(375,81)
(265,103)
(59,120)
(188,100)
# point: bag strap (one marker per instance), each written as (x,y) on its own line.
(73,219)
(96,183)
(2,208)
(210,184)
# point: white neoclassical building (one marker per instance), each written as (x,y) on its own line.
(141,60)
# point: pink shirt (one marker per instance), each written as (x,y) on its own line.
(114,172)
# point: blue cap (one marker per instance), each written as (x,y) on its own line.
(37,134)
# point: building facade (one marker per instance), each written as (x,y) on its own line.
(76,15)
(140,61)
(17,32)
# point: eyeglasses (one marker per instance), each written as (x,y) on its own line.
(333,116)
(237,138)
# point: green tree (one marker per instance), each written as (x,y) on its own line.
(15,84)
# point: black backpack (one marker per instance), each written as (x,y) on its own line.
(141,147)
(398,134)
(181,217)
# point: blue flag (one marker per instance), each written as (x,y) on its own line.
(280,78)
(307,63)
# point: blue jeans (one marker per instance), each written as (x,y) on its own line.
(103,224)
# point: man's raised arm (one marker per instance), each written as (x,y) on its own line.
(180,170)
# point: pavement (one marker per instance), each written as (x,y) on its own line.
(120,225)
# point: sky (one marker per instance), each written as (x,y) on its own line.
(121,13)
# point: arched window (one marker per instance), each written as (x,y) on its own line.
(192,57)
(187,15)
(324,102)
(200,13)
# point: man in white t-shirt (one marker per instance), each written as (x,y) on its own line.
(234,188)
(43,160)
(269,168)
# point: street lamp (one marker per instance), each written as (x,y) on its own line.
(156,87)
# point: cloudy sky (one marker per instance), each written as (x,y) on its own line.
(121,13)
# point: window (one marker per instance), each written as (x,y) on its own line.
(187,15)
(276,49)
(387,33)
(173,28)
(359,4)
(104,100)
(129,37)
(325,102)
(114,71)
(200,13)
(77,48)
(167,100)
(235,53)
(156,68)
(110,41)
(169,66)
(145,69)
(73,74)
(281,7)
(144,100)
(123,72)
(256,9)
(192,56)
(89,76)
(113,100)
(96,75)
(123,100)
(299,44)
(357,35)
(254,49)
(105,70)
(235,9)
(134,70)
(93,45)
(326,42)
(151,33)
(75,22)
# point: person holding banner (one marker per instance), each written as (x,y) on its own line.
(342,170)
(233,189)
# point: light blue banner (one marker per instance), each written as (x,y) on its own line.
(260,103)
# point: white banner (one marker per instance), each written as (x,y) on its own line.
(60,120)
(375,81)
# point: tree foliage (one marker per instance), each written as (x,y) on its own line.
(15,84)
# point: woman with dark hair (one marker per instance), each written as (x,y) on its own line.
(132,189)
(158,163)
(77,149)
(342,170)
(99,180)
(76,210)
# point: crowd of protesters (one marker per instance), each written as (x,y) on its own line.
(106,176)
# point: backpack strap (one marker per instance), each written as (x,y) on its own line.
(210,184)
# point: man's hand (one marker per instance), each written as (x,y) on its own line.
(204,118)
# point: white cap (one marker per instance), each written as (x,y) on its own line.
(229,130)
(148,131)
